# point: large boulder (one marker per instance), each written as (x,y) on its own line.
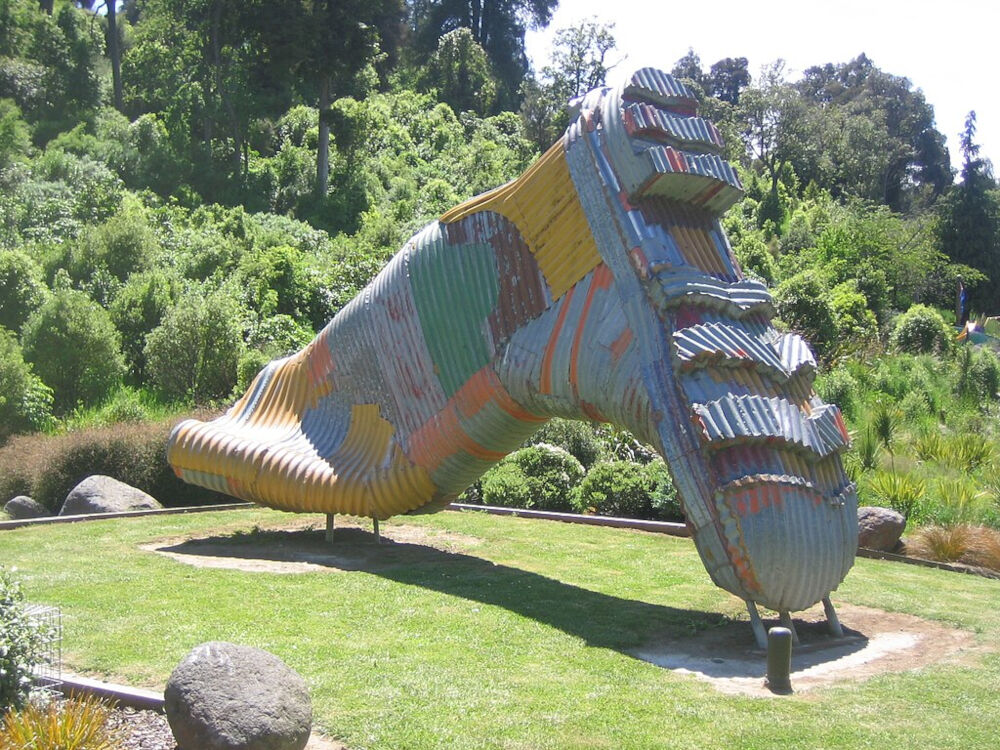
(22,507)
(228,697)
(880,528)
(101,494)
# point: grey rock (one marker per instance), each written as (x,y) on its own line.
(228,697)
(880,528)
(23,506)
(102,494)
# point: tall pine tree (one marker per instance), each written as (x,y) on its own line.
(969,227)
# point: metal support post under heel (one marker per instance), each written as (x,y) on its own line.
(329,527)
(832,621)
(786,622)
(755,623)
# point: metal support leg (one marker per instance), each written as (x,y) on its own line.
(832,621)
(378,536)
(786,621)
(329,527)
(758,627)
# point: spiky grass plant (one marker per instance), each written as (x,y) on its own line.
(885,424)
(957,500)
(76,724)
(967,452)
(901,492)
(929,445)
(867,449)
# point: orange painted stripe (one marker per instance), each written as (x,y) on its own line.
(545,384)
(600,280)
(621,344)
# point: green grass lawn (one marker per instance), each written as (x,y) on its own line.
(516,637)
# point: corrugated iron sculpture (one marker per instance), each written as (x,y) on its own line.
(598,285)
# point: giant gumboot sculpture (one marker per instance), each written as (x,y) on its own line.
(598,285)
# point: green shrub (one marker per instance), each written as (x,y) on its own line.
(839,387)
(966,452)
(803,302)
(195,351)
(138,308)
(120,246)
(856,324)
(617,488)
(25,401)
(755,258)
(578,438)
(665,503)
(23,644)
(630,490)
(540,476)
(984,374)
(921,330)
(74,348)
(252,361)
(22,290)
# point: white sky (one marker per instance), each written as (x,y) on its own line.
(949,49)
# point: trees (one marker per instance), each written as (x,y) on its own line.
(460,73)
(74,349)
(890,150)
(579,63)
(969,226)
(498,26)
(774,121)
(195,351)
(728,78)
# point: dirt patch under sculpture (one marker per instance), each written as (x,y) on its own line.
(875,642)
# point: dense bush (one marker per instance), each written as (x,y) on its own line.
(921,329)
(755,258)
(22,290)
(25,401)
(23,643)
(541,476)
(138,308)
(630,490)
(839,387)
(803,302)
(577,438)
(194,353)
(74,348)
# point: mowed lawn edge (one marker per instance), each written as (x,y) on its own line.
(484,632)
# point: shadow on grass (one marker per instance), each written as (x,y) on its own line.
(598,619)
(709,643)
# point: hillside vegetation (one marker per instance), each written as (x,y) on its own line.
(188,190)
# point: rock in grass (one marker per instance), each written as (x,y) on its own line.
(101,494)
(879,528)
(228,697)
(23,506)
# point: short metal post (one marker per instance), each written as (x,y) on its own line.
(329,527)
(786,622)
(755,622)
(378,536)
(779,660)
(832,621)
